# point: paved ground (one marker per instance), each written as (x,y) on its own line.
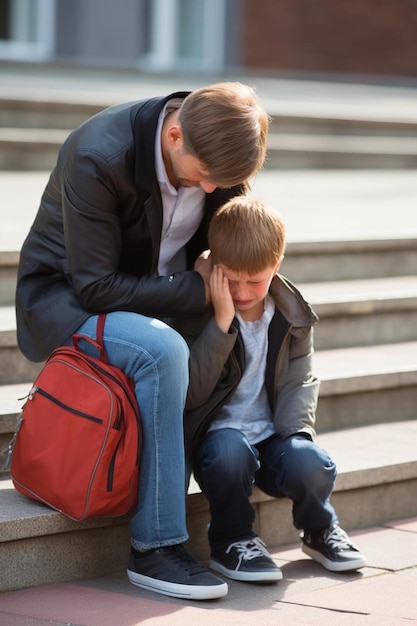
(382,594)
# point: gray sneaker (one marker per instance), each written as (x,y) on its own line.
(172,571)
(246,560)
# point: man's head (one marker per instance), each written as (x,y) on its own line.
(225,128)
(247,241)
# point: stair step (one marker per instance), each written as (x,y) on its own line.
(363,312)
(377,482)
(366,385)
(359,386)
(338,260)
(37,149)
(305,261)
(351,313)
(340,151)
(30,148)
(8,274)
(41,112)
(14,367)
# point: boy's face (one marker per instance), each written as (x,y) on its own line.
(248,291)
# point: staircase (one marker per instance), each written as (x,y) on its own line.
(365,293)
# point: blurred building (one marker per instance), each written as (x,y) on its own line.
(373,37)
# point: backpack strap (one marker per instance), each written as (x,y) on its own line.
(100,329)
(98,343)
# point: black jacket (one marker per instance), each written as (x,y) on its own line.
(94,244)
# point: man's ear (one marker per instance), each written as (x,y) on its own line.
(174,134)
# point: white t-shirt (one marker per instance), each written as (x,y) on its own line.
(248,408)
(182,209)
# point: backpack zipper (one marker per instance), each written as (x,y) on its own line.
(71,409)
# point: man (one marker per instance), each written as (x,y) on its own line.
(121,221)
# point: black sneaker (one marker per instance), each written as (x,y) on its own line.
(333,549)
(247,560)
(172,571)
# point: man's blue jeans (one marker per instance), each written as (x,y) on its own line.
(227,465)
(156,357)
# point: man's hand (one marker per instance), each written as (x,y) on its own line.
(203,265)
(224,309)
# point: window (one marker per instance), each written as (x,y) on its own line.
(184,35)
(26,29)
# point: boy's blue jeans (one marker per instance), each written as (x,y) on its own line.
(226,466)
(156,357)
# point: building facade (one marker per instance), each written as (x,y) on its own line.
(152,35)
(373,37)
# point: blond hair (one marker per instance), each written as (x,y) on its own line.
(225,127)
(246,235)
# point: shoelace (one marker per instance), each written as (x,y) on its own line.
(180,555)
(250,549)
(337,538)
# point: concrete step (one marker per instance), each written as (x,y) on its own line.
(9,260)
(305,261)
(46,113)
(363,312)
(366,385)
(70,112)
(351,313)
(377,482)
(30,148)
(363,385)
(14,367)
(295,151)
(36,149)
(11,401)
(339,259)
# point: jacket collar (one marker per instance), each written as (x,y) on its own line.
(291,303)
(145,125)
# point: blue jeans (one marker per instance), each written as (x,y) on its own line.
(227,465)
(156,357)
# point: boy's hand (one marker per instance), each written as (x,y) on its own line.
(203,265)
(224,309)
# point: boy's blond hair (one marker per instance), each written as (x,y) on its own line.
(225,127)
(246,235)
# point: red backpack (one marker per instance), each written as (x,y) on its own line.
(78,440)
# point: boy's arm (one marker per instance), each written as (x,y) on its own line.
(298,388)
(208,356)
(212,348)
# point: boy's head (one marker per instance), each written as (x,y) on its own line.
(225,128)
(247,236)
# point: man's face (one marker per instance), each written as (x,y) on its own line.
(183,169)
(188,171)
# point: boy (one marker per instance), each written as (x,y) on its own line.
(252,398)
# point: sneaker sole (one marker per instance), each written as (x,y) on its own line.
(335,566)
(265,576)
(177,590)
